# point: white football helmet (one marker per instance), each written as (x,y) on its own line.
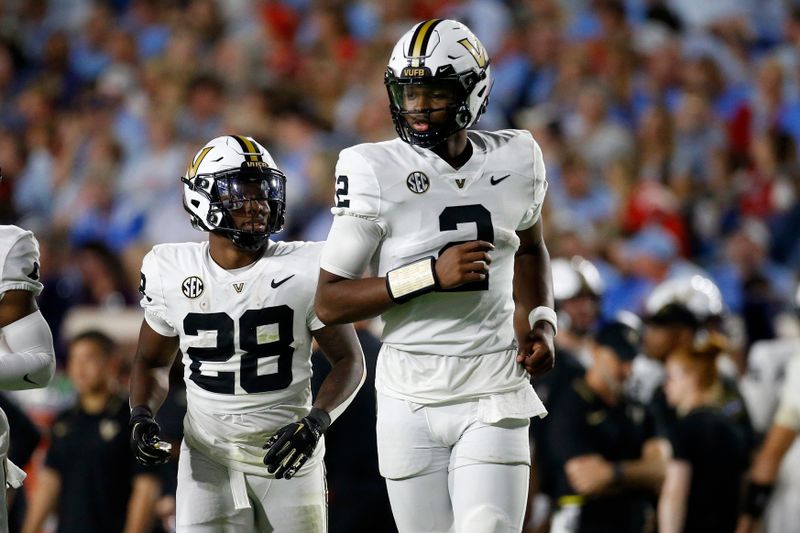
(227,173)
(698,294)
(572,277)
(439,51)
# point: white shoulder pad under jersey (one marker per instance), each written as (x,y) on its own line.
(19,261)
(423,206)
(764,379)
(245,334)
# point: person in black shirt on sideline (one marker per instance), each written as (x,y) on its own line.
(611,461)
(90,477)
(711,450)
(679,313)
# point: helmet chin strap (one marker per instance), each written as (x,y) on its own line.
(251,242)
(435,135)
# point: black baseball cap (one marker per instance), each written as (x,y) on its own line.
(673,314)
(623,339)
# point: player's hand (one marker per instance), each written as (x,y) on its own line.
(147,447)
(463,263)
(536,352)
(292,445)
(589,474)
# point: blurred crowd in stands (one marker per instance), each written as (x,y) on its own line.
(670,130)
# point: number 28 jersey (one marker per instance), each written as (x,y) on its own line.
(422,205)
(245,334)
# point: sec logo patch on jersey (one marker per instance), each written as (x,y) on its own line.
(417,182)
(192,287)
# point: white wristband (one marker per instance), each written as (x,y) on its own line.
(546,314)
(413,279)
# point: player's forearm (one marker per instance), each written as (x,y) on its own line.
(532,277)
(155,354)
(27,356)
(350,300)
(348,370)
(768,461)
(340,387)
(532,285)
(149,385)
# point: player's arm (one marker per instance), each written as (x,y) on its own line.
(784,430)
(763,475)
(358,229)
(154,357)
(674,496)
(293,444)
(343,296)
(43,501)
(534,318)
(149,384)
(348,370)
(27,356)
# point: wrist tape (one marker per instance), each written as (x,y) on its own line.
(411,280)
(546,314)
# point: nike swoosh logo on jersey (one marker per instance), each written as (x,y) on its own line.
(276,284)
(496,181)
(29,380)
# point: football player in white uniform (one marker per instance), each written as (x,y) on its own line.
(27,357)
(241,309)
(772,389)
(447,223)
(770,462)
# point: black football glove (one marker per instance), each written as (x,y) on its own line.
(147,447)
(291,446)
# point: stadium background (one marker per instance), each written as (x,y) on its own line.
(669,128)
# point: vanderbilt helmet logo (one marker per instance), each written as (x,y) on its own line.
(477,52)
(417,182)
(192,287)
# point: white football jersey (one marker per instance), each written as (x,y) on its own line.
(761,385)
(245,336)
(19,261)
(424,205)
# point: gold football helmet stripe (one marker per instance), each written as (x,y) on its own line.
(251,152)
(419,41)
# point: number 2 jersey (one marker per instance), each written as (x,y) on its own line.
(421,205)
(245,338)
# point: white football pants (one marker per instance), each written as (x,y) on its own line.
(447,471)
(212,498)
